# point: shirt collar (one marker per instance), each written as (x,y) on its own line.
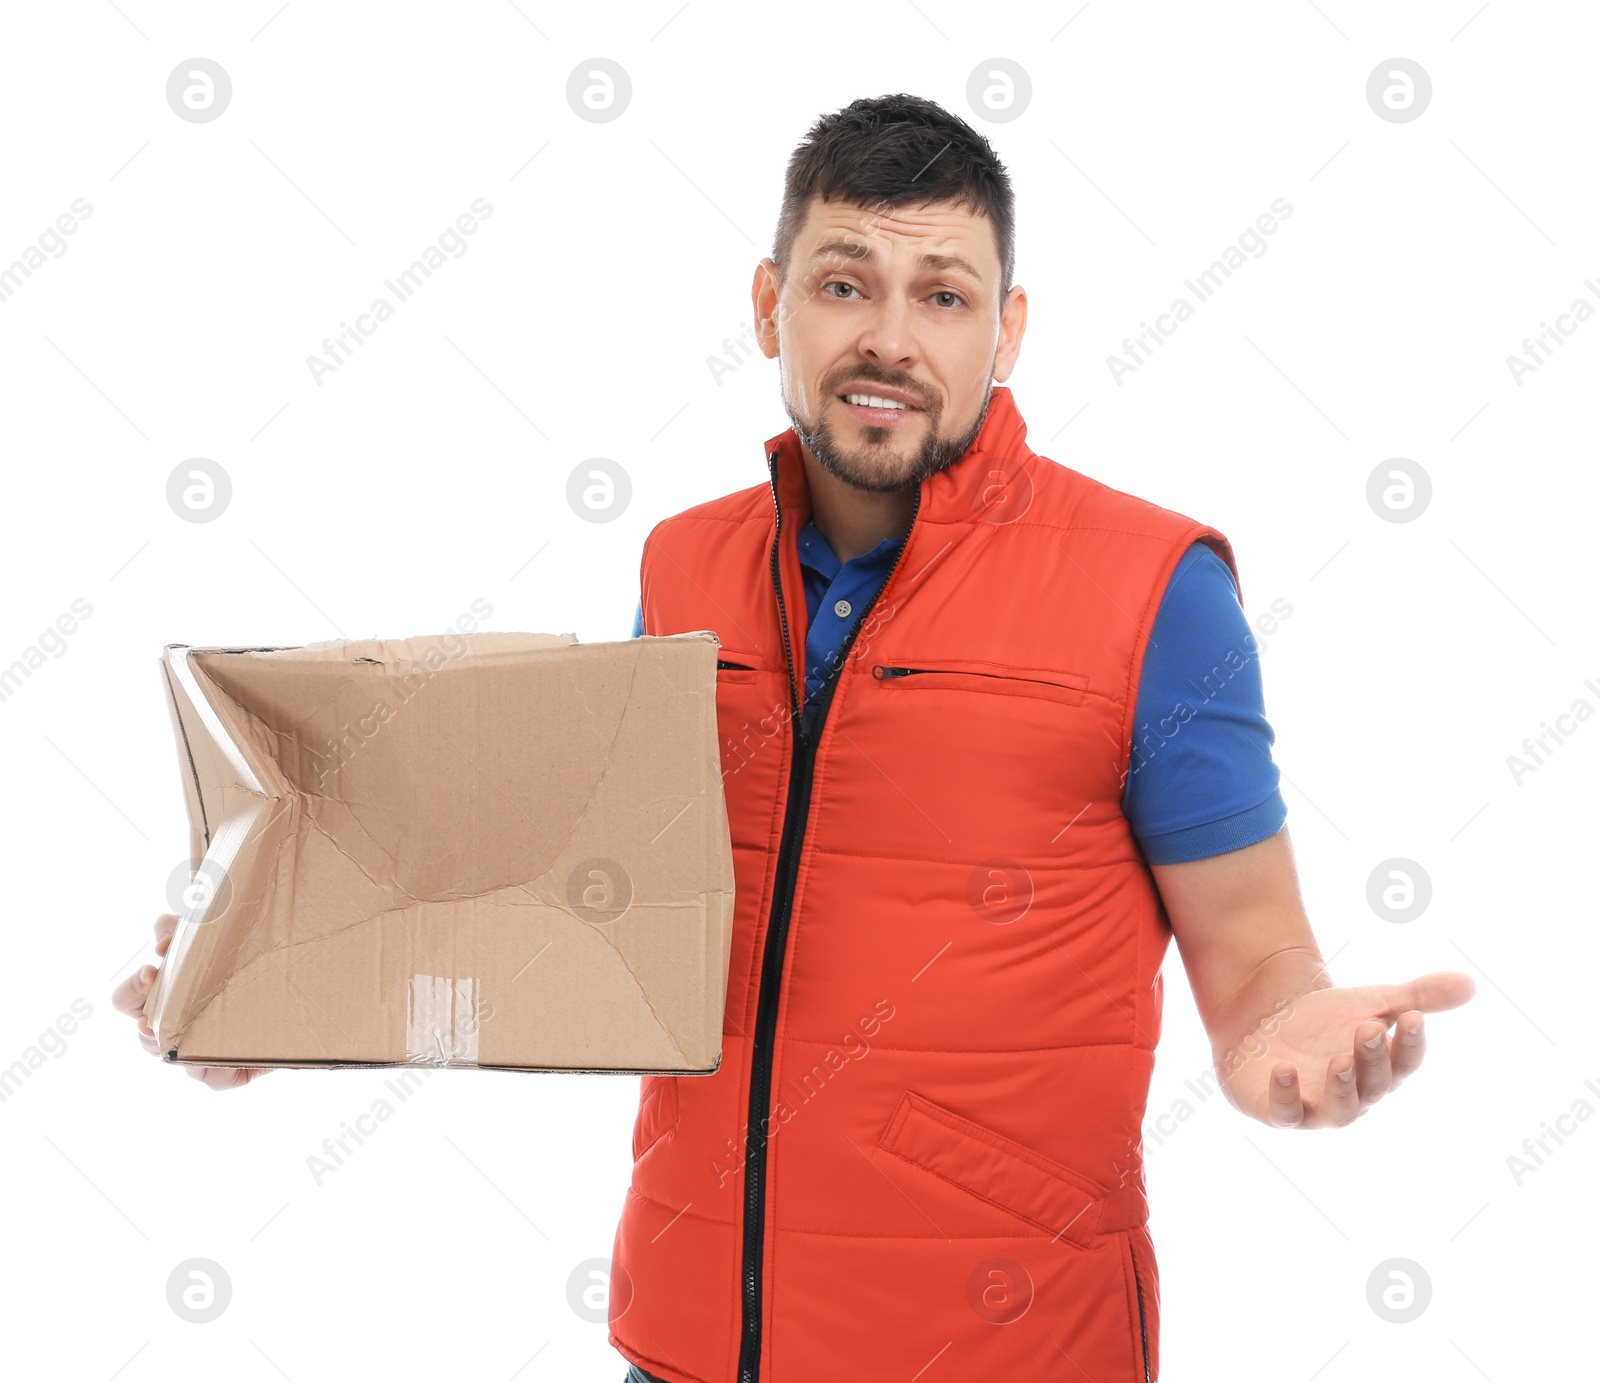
(817,553)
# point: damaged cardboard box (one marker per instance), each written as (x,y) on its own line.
(504,851)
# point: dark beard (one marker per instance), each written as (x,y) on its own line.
(937,453)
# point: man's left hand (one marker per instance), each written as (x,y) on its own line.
(1326,1058)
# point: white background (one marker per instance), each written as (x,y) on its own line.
(431,470)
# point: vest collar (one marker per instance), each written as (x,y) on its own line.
(989,484)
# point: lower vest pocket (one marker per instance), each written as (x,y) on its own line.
(1146,1301)
(997,1169)
(658,1112)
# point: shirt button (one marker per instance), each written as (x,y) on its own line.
(842,608)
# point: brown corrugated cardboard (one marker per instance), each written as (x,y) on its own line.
(480,850)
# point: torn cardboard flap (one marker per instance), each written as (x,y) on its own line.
(468,850)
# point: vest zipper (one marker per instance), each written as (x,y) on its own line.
(796,808)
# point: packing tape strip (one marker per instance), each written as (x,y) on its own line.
(442,1021)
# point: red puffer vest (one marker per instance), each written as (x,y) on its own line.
(920,1157)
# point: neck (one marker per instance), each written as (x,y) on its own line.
(855,521)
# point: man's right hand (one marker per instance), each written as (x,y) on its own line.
(129,996)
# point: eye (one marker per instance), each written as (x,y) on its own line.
(838,283)
(946,293)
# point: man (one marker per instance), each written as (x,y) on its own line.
(971,797)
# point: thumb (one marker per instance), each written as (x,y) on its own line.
(1431,993)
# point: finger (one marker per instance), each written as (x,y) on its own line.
(166,924)
(1285,1109)
(217,1077)
(1431,993)
(1341,1095)
(129,996)
(227,1077)
(1373,1075)
(1406,1049)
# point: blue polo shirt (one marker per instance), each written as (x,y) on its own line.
(1202,781)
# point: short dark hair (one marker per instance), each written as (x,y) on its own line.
(891,152)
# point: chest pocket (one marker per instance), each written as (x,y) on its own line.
(960,674)
(736,665)
(974,756)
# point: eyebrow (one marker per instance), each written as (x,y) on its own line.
(927,260)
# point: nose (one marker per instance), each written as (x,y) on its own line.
(888,336)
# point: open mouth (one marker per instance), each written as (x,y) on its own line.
(891,409)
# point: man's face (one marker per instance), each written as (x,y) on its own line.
(889,335)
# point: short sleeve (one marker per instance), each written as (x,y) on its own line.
(1201,778)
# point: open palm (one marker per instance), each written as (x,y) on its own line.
(1311,1065)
